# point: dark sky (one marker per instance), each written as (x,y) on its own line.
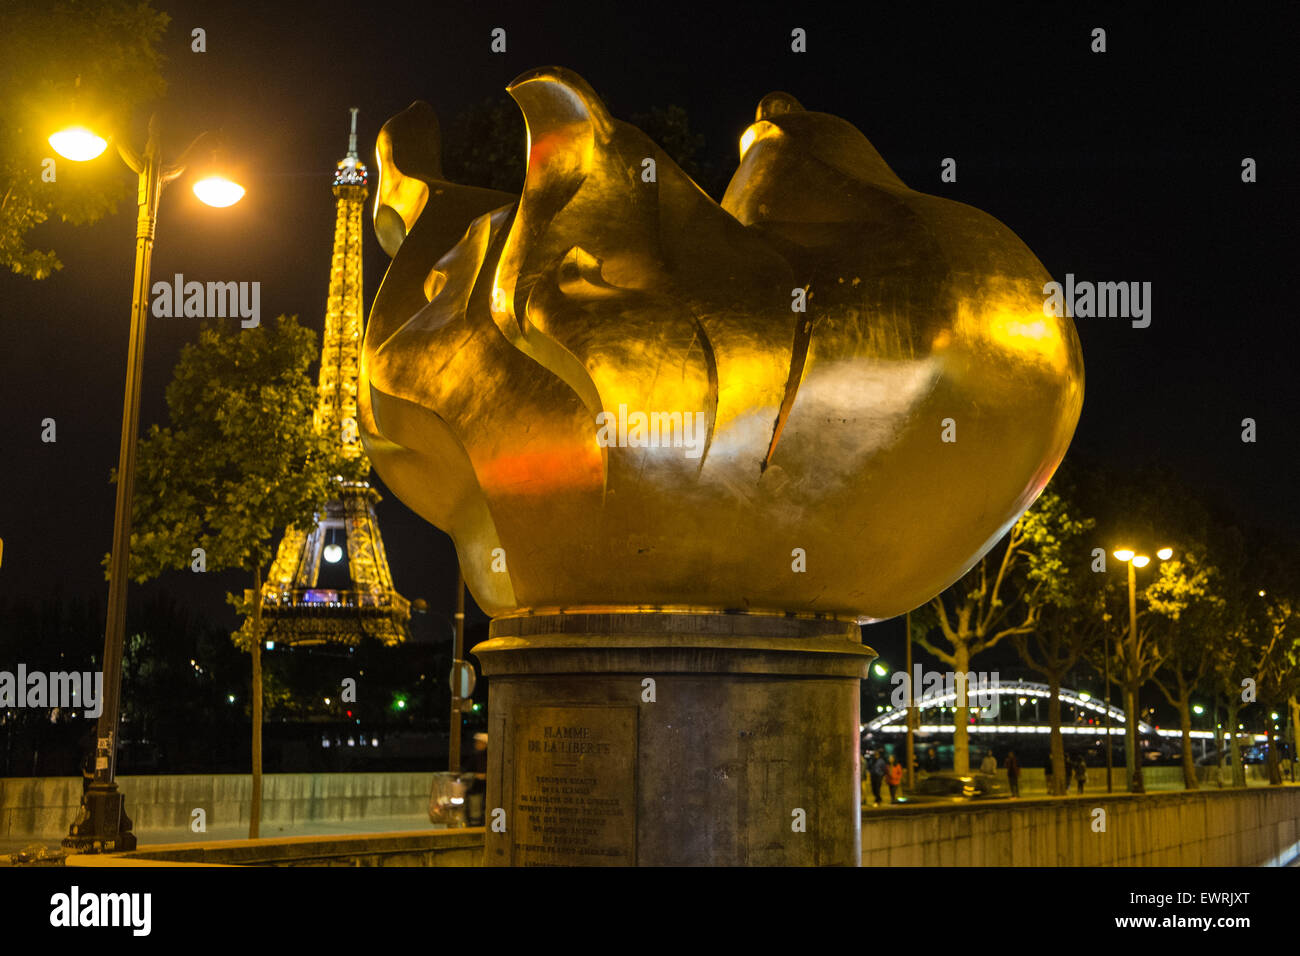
(1118,166)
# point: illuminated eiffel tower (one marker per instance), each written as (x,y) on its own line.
(332,584)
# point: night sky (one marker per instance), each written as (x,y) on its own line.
(1123,166)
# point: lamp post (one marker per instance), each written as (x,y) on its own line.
(101,824)
(911,712)
(457,701)
(1131,757)
(1110,759)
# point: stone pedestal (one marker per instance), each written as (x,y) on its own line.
(669,739)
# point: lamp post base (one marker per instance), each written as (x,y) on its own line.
(102,825)
(673,739)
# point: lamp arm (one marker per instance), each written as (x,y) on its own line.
(129,156)
(175,169)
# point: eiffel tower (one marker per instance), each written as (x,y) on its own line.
(332,584)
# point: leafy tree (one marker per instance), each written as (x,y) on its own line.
(1070,617)
(1279,673)
(670,128)
(54,58)
(240,460)
(1187,610)
(1000,597)
(1238,658)
(487,145)
(1146,510)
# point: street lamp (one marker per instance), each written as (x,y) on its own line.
(101,824)
(1134,561)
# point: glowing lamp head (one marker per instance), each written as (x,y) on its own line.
(1164,554)
(332,553)
(1124,554)
(1141,561)
(880,671)
(78,144)
(1198,709)
(219,192)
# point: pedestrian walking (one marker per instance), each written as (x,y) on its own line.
(879,769)
(894,777)
(1080,771)
(989,764)
(1013,772)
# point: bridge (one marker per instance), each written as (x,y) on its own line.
(893,720)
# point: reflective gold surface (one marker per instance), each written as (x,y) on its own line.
(506,325)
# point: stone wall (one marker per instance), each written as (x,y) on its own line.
(442,848)
(1254,827)
(42,807)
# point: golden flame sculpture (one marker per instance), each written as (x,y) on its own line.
(829,395)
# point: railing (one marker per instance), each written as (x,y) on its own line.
(323,599)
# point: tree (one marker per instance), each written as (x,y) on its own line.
(670,128)
(56,58)
(240,460)
(1148,509)
(487,145)
(1070,617)
(1236,662)
(1187,611)
(1279,673)
(999,597)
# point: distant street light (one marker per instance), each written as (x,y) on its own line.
(1132,764)
(102,824)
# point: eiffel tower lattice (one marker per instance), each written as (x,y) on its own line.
(332,584)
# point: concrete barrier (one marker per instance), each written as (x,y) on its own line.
(1212,827)
(40,808)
